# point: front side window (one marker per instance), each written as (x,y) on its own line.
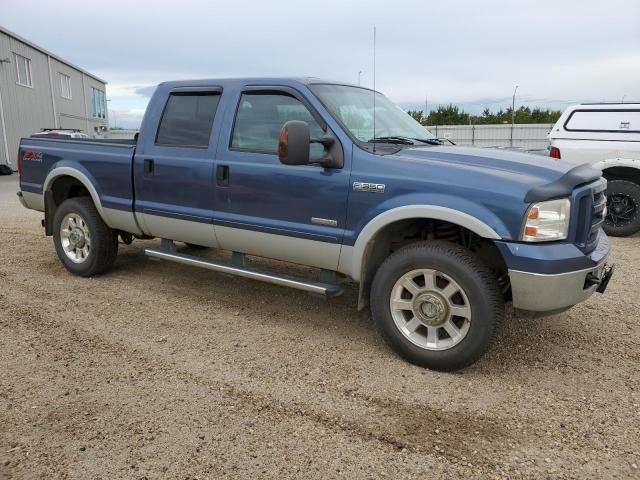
(23,70)
(65,86)
(353,106)
(260,118)
(187,119)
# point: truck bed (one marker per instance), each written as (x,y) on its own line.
(106,163)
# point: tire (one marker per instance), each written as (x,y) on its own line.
(623,207)
(462,282)
(79,256)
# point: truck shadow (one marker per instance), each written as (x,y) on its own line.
(521,343)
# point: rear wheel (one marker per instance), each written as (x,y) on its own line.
(437,305)
(85,245)
(623,208)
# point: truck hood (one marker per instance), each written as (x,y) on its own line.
(526,170)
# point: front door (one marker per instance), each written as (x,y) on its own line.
(173,170)
(291,213)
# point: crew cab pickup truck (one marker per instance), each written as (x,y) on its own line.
(438,237)
(607,136)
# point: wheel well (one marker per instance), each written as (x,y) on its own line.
(61,189)
(403,232)
(67,187)
(622,173)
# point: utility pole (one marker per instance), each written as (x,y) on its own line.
(359,73)
(513,113)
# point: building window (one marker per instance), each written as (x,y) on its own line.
(65,86)
(23,70)
(187,119)
(98,103)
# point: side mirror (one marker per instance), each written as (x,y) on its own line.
(293,146)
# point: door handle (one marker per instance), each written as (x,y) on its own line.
(222,175)
(148,166)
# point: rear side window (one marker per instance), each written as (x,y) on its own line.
(618,121)
(187,119)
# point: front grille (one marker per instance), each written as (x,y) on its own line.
(597,215)
(592,210)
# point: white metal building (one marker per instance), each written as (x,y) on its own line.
(41,90)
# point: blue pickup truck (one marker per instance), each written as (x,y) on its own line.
(437,236)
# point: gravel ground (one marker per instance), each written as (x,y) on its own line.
(158,370)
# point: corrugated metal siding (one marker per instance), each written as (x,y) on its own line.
(65,108)
(524,137)
(4,159)
(27,110)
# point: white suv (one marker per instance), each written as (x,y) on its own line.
(606,135)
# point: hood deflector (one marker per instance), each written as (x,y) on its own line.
(563,186)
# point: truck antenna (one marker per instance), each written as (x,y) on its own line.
(374,89)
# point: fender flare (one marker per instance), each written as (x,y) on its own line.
(78,175)
(435,212)
(617,162)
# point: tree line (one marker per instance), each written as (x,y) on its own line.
(452,115)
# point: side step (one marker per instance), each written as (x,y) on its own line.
(318,288)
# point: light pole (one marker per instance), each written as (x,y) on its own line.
(513,107)
(513,113)
(426,107)
(359,73)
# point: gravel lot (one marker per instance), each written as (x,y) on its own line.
(158,370)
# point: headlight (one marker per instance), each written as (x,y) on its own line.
(547,221)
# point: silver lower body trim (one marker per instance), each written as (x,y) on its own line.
(121,220)
(198,233)
(34,201)
(279,247)
(247,272)
(547,292)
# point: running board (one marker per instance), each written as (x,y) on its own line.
(318,288)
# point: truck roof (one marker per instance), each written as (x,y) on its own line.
(606,105)
(232,81)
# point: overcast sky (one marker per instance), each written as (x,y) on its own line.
(468,52)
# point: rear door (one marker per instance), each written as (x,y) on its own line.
(173,169)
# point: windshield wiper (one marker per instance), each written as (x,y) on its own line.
(430,141)
(395,140)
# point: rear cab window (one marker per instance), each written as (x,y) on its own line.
(187,119)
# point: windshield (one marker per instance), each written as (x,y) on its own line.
(353,106)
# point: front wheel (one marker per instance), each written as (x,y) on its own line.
(437,305)
(85,245)
(623,208)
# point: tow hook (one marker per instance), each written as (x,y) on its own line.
(602,280)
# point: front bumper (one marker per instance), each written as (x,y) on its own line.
(542,293)
(545,292)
